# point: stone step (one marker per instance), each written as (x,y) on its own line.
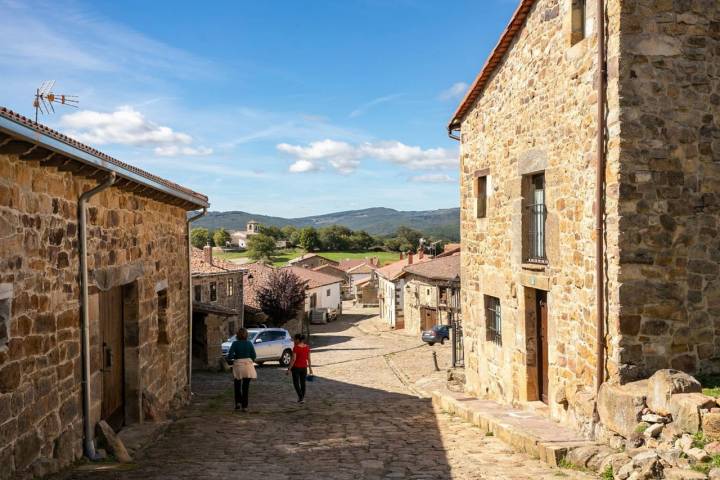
(525,431)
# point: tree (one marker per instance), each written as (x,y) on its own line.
(281,296)
(309,239)
(271,231)
(361,240)
(199,237)
(221,237)
(409,236)
(260,246)
(288,231)
(334,237)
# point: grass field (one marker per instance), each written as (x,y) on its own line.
(284,256)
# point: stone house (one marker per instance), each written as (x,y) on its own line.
(360,273)
(338,272)
(366,292)
(391,289)
(217,289)
(323,292)
(431,289)
(311,260)
(589,202)
(94,285)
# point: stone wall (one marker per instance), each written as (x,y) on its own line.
(421,293)
(234,301)
(132,240)
(538,114)
(669,187)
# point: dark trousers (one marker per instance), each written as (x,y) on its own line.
(242,390)
(299,375)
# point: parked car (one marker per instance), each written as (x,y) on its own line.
(437,334)
(271,344)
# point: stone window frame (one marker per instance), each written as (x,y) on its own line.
(481,188)
(163,336)
(532,252)
(578,23)
(493,319)
(213,291)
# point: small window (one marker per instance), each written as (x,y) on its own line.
(213,291)
(578,21)
(4,322)
(230,287)
(198,293)
(162,317)
(481,196)
(493,320)
(328,292)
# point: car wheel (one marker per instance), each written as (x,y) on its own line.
(286,358)
(442,341)
(431,343)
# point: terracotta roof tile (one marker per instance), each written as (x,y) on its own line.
(260,273)
(444,268)
(313,277)
(198,265)
(395,269)
(45,130)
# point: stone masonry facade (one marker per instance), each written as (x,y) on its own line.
(134,242)
(537,115)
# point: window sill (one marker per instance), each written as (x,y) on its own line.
(534,267)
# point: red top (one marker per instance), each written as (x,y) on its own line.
(302,352)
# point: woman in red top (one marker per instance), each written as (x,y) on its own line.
(299,365)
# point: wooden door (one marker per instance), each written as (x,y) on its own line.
(542,316)
(428,317)
(113,374)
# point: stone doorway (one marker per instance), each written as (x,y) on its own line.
(536,345)
(199,341)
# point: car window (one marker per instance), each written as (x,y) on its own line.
(251,336)
(278,335)
(265,336)
(232,339)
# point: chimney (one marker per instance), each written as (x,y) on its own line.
(207,253)
(401,255)
(410,258)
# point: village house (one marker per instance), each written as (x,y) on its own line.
(311,260)
(239,238)
(432,293)
(217,289)
(589,202)
(366,292)
(94,296)
(323,299)
(391,289)
(360,272)
(338,272)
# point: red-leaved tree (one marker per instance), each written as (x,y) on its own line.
(281,296)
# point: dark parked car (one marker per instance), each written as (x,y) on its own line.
(437,334)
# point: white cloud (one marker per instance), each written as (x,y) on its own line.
(456,90)
(127,126)
(432,178)
(362,109)
(345,157)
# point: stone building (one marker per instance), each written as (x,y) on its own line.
(217,304)
(137,287)
(537,327)
(431,289)
(391,289)
(239,238)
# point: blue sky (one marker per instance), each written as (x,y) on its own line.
(287,108)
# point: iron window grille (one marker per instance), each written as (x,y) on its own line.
(535,216)
(493,320)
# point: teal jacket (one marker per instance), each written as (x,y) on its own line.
(241,349)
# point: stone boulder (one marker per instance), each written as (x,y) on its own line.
(620,406)
(714,474)
(681,474)
(685,410)
(665,383)
(113,442)
(711,426)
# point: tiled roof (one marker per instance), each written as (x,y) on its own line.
(450,249)
(260,273)
(362,268)
(395,269)
(333,270)
(314,278)
(198,265)
(45,130)
(444,268)
(493,62)
(310,255)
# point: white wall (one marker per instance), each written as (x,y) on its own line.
(333,301)
(387,312)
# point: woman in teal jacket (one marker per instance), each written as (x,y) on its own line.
(242,354)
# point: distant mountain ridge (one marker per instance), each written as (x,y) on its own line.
(443,223)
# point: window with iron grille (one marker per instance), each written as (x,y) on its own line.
(493,320)
(213,291)
(534,219)
(230,287)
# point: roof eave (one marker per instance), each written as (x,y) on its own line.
(17,129)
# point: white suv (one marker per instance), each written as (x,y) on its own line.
(271,344)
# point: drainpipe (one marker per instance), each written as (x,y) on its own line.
(190,300)
(88,445)
(600,196)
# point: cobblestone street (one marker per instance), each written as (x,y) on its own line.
(359,421)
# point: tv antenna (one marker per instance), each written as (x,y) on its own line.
(44,99)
